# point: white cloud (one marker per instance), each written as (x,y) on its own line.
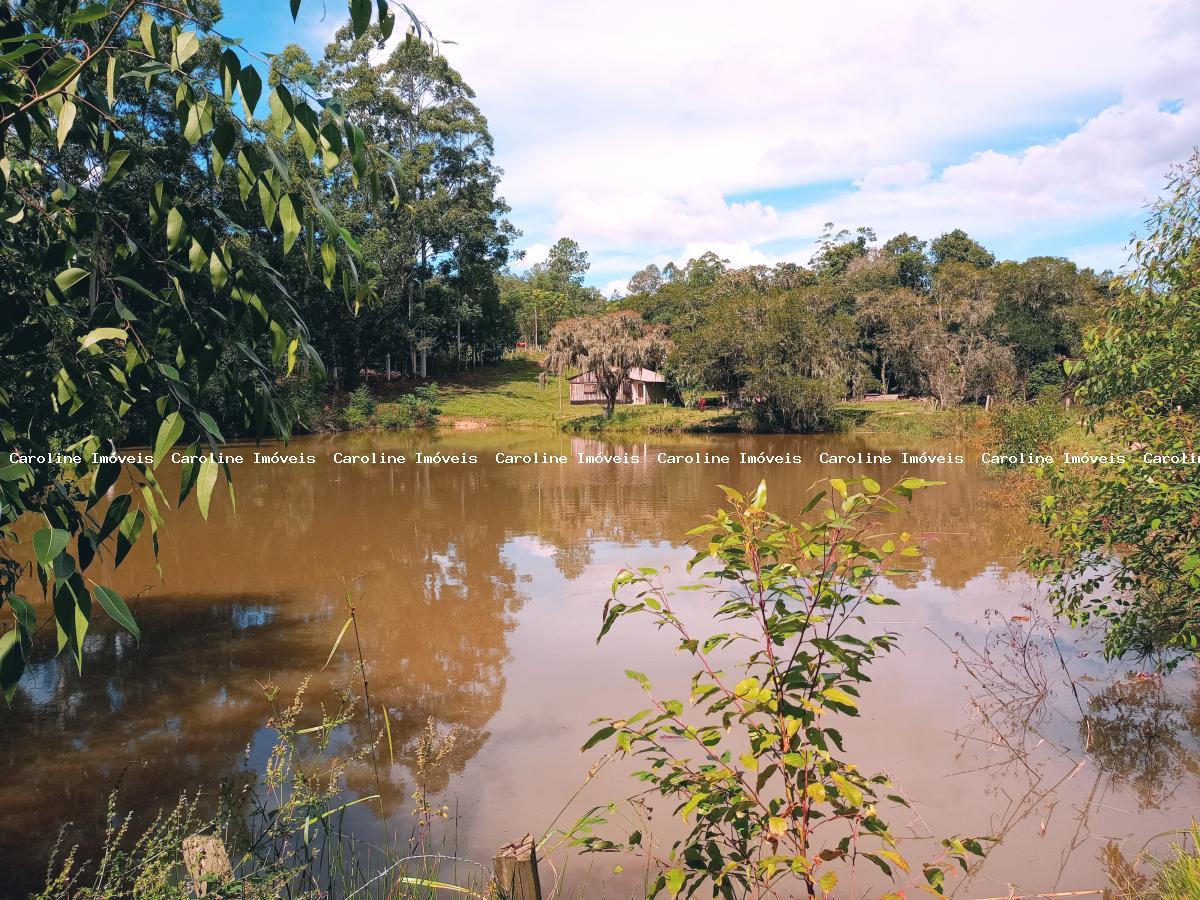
(896,175)
(533,254)
(647,130)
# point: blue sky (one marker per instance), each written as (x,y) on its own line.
(652,132)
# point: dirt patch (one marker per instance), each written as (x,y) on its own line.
(469,425)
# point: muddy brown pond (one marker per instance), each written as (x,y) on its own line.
(479,588)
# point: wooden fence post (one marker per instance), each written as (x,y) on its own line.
(515,868)
(205,858)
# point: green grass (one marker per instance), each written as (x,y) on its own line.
(912,419)
(508,395)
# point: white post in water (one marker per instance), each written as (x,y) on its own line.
(389,367)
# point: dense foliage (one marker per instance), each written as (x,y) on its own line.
(753,761)
(180,236)
(942,320)
(1125,536)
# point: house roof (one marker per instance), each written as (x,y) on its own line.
(635,374)
(646,375)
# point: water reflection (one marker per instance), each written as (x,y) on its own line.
(1145,734)
(477,590)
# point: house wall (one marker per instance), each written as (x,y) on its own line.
(584,391)
(657,391)
(587,392)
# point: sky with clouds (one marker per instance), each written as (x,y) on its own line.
(653,131)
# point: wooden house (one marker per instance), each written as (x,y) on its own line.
(642,386)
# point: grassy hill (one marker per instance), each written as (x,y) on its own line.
(508,395)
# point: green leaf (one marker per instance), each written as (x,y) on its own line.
(72,615)
(23,612)
(89,13)
(838,485)
(837,695)
(689,807)
(603,734)
(186,45)
(103,334)
(12,663)
(229,67)
(290,220)
(205,482)
(57,74)
(175,229)
(114,516)
(66,119)
(914,484)
(115,164)
(146,30)
(112,603)
(128,533)
(851,793)
(69,277)
(48,543)
(675,878)
(360,16)
(169,432)
(250,83)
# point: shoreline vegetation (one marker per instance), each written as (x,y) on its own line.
(511,394)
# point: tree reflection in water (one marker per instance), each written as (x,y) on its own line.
(1145,735)
(1043,728)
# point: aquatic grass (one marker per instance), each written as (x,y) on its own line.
(1175,876)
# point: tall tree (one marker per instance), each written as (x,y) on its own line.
(134,314)
(958,246)
(435,250)
(784,356)
(958,358)
(911,260)
(646,281)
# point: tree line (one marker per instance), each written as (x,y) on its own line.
(939,319)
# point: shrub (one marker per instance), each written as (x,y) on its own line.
(1030,427)
(1045,374)
(421,406)
(360,408)
(417,409)
(783,403)
(755,766)
(310,405)
(393,416)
